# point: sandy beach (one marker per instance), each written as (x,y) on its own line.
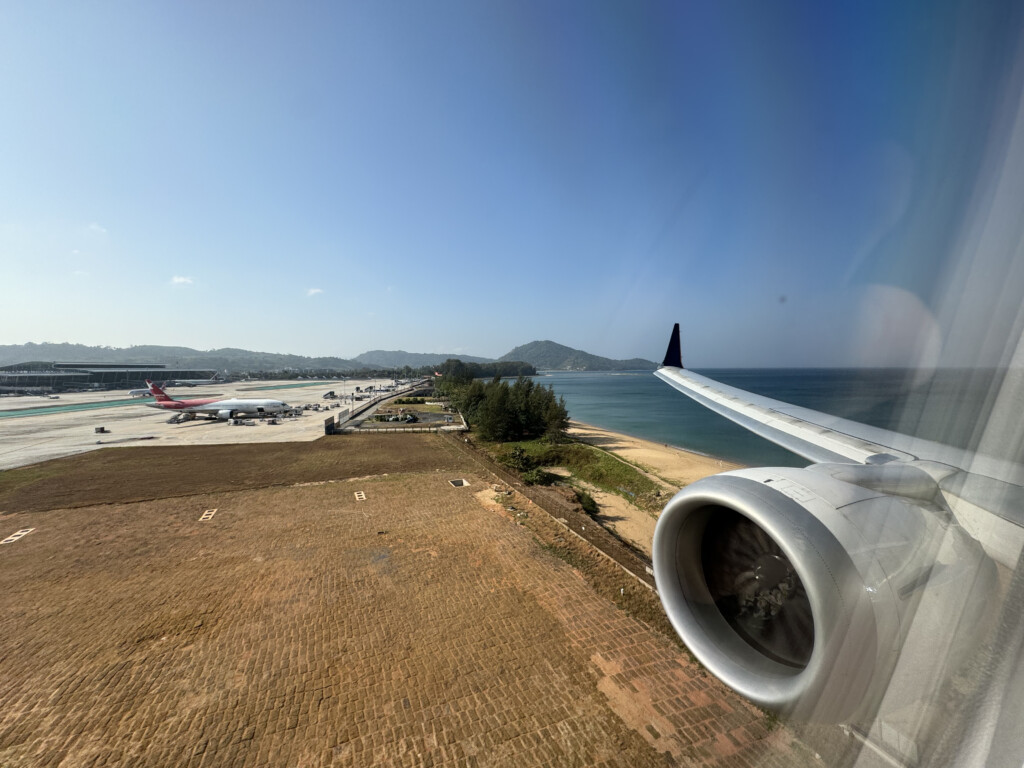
(671,467)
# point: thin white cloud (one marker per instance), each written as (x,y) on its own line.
(179,280)
(80,273)
(314,291)
(94,227)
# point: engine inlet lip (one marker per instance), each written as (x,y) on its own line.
(822,564)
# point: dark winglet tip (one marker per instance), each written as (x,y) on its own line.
(674,355)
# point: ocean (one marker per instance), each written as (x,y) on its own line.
(946,405)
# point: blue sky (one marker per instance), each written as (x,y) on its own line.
(797,184)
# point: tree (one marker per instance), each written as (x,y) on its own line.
(467,399)
(495,419)
(556,419)
(503,412)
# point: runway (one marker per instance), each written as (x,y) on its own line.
(34,429)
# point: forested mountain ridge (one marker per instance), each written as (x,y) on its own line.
(544,355)
(228,359)
(549,356)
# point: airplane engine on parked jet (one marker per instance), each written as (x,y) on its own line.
(225,414)
(799,590)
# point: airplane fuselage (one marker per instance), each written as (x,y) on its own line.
(223,409)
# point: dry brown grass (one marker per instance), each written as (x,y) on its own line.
(300,626)
(118,475)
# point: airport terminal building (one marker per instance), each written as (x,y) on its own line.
(65,377)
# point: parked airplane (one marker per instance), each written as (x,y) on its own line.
(878,587)
(215,408)
(193,382)
(176,383)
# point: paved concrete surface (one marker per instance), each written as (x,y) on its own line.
(30,439)
(302,627)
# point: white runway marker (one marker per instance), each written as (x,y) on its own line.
(15,536)
(208,515)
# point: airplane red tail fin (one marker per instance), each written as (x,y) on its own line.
(158,393)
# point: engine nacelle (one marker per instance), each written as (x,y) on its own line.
(798,590)
(225,414)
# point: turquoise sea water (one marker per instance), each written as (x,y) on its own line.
(940,405)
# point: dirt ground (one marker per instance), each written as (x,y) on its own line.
(121,475)
(303,626)
(632,525)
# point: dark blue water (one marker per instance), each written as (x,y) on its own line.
(945,406)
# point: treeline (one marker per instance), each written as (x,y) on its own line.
(462,373)
(453,369)
(503,413)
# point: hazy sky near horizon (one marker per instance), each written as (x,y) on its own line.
(795,183)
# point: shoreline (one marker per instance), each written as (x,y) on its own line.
(676,466)
(672,467)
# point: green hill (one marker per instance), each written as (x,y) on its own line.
(544,355)
(549,356)
(227,359)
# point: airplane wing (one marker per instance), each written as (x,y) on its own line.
(808,433)
(873,558)
(994,484)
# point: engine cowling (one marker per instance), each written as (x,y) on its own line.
(225,414)
(798,590)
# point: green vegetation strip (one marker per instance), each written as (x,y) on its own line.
(585,462)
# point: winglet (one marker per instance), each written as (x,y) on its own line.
(674,355)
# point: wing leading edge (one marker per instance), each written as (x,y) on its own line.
(816,436)
(820,437)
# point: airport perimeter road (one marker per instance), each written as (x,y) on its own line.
(303,626)
(62,431)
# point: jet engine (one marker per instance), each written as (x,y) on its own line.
(225,414)
(799,589)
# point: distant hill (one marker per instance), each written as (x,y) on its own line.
(380,358)
(544,355)
(549,356)
(181,357)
